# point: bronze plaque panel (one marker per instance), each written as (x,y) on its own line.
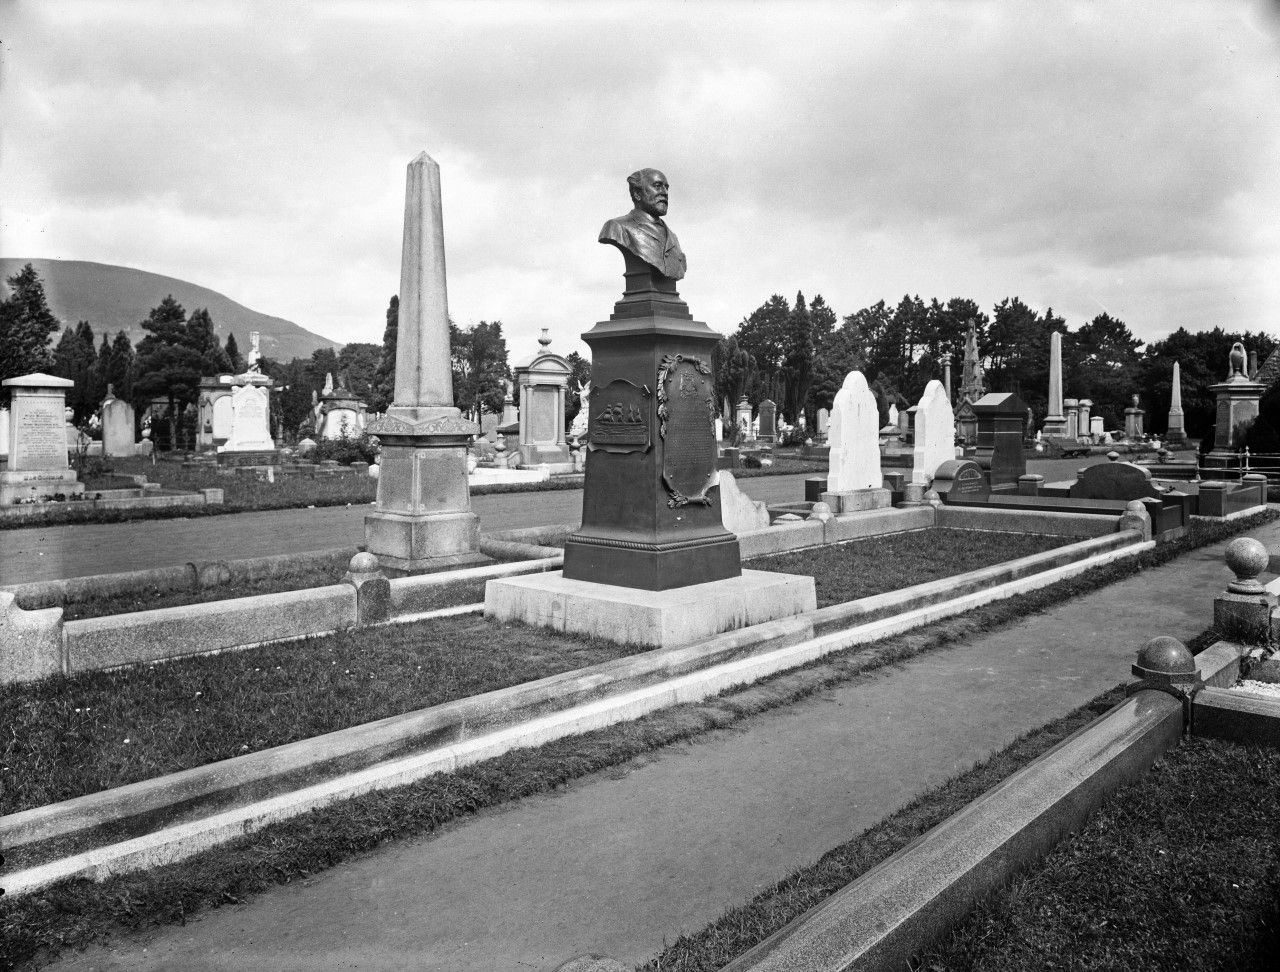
(686,426)
(619,417)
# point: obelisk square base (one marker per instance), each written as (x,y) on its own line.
(858,500)
(423,519)
(663,619)
(418,543)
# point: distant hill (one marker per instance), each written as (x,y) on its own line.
(115,299)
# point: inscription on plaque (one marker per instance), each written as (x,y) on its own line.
(1225,431)
(40,438)
(971,480)
(686,415)
(619,417)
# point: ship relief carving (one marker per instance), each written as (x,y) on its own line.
(619,417)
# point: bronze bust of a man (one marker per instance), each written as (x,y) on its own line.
(642,232)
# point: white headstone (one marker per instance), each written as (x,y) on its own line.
(935,430)
(719,429)
(738,511)
(854,437)
(824,420)
(1096,425)
(222,417)
(4,432)
(117,428)
(893,415)
(250,431)
(342,423)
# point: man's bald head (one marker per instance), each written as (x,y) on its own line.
(649,191)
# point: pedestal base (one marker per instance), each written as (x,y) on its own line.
(663,619)
(1054,426)
(415,543)
(25,485)
(653,566)
(423,519)
(857,500)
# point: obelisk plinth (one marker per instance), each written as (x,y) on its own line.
(1177,434)
(1055,423)
(423,518)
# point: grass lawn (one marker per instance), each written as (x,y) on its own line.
(67,736)
(1179,871)
(862,568)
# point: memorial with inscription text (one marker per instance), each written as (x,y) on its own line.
(650,511)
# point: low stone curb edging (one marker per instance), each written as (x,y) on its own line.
(770,648)
(906,903)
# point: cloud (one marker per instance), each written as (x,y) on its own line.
(1069,153)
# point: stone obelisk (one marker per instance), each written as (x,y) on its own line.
(1055,423)
(423,518)
(1177,434)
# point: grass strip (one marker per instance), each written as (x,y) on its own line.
(78,912)
(873,565)
(71,735)
(1180,870)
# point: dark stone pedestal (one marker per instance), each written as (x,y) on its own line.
(650,515)
(1001,426)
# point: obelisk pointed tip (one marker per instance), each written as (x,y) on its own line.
(422,158)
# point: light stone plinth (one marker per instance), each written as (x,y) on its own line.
(665,619)
(1237,405)
(858,500)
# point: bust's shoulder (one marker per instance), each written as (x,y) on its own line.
(618,228)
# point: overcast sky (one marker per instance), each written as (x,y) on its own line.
(1086,156)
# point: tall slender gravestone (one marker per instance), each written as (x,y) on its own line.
(854,480)
(650,513)
(1177,434)
(423,517)
(935,434)
(1055,423)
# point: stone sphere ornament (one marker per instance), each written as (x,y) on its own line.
(363,563)
(1246,558)
(1164,657)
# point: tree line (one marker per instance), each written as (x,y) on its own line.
(798,354)
(178,351)
(795,353)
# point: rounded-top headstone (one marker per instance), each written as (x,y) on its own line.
(1113,455)
(1163,657)
(1246,558)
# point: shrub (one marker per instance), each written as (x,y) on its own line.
(348,449)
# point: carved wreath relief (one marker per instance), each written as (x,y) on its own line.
(686,426)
